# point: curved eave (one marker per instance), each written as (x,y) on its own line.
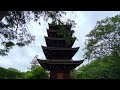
(59,65)
(51,30)
(58,25)
(55,31)
(59,52)
(53,38)
(59,61)
(51,26)
(60,48)
(58,42)
(57,39)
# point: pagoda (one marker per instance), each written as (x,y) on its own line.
(59,53)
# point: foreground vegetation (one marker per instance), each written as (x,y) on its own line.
(102,45)
(106,68)
(11,73)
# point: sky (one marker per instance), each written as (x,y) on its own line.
(20,58)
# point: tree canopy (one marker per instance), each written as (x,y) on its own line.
(104,39)
(11,73)
(106,68)
(13,27)
(37,73)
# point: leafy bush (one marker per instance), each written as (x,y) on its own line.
(36,73)
(100,69)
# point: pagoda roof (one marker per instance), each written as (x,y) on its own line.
(59,52)
(58,42)
(59,64)
(54,33)
(54,26)
(54,38)
(52,30)
(58,25)
(52,61)
(60,48)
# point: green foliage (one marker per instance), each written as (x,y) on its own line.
(103,45)
(2,52)
(37,73)
(64,29)
(106,68)
(104,39)
(14,30)
(66,34)
(10,73)
(20,44)
(73,74)
(13,69)
(5,35)
(9,44)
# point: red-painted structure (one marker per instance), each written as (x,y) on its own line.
(59,53)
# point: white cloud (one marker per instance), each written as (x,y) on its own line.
(20,58)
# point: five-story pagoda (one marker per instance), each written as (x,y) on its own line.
(59,52)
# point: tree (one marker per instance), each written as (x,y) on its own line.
(37,73)
(13,69)
(10,73)
(104,39)
(34,63)
(13,27)
(105,68)
(73,74)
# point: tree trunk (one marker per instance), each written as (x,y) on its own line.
(3,14)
